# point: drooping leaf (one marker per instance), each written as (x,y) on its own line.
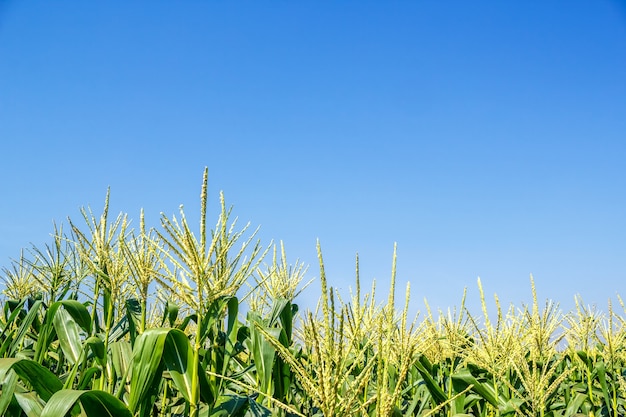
(79,313)
(94,403)
(439,396)
(463,379)
(44,382)
(87,376)
(47,332)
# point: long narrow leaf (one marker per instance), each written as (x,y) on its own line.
(435,390)
(147,366)
(178,358)
(69,336)
(30,403)
(44,382)
(46,334)
(95,404)
(463,379)
(24,327)
(9,382)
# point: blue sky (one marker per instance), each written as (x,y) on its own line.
(486,138)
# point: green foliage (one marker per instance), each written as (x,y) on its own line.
(94,403)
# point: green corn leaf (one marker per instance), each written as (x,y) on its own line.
(601,372)
(13,312)
(256,410)
(24,327)
(44,382)
(281,374)
(215,313)
(155,350)
(79,313)
(96,345)
(87,376)
(283,313)
(232,332)
(575,403)
(263,352)
(229,405)
(128,323)
(133,315)
(94,403)
(12,309)
(461,380)
(278,307)
(120,329)
(585,358)
(14,409)
(170,312)
(185,322)
(7,341)
(47,332)
(9,382)
(146,367)
(30,403)
(237,405)
(439,396)
(121,357)
(68,334)
(287,316)
(101,404)
(178,358)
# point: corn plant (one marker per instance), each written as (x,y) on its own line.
(114,321)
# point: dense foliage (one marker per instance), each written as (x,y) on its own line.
(111,321)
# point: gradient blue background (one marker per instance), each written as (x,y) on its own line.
(486,138)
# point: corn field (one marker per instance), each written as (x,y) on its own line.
(108,320)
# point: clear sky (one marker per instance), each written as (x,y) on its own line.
(486,138)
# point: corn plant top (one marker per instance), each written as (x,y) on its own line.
(170,322)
